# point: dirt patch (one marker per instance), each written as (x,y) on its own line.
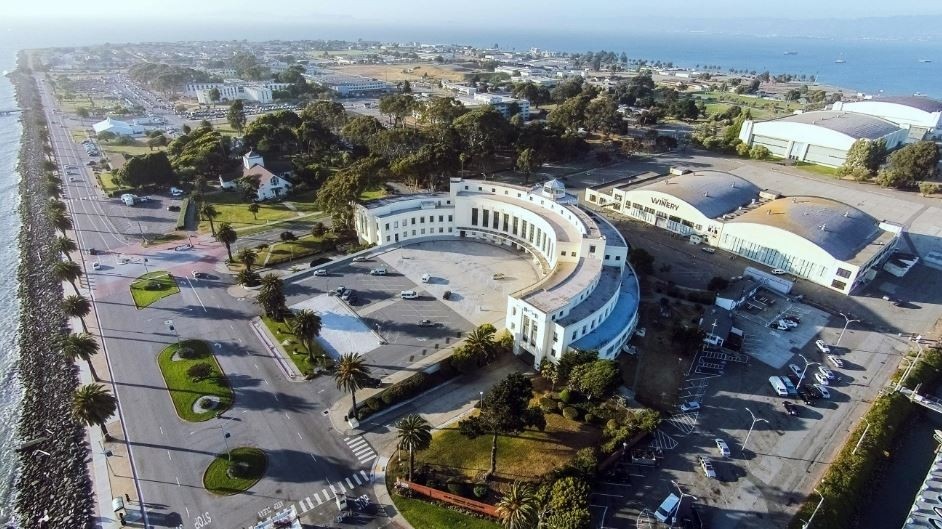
(406,72)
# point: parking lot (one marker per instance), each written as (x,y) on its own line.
(452,265)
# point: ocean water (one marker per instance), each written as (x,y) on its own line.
(10,390)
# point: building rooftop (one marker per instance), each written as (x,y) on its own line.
(565,283)
(565,232)
(852,124)
(713,193)
(717,321)
(839,229)
(927,506)
(618,319)
(377,203)
(609,280)
(737,289)
(918,102)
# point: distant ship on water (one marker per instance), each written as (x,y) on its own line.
(839,60)
(791,53)
(925,60)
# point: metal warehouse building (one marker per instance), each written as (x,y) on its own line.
(920,115)
(821,137)
(818,239)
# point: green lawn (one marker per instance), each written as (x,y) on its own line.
(295,350)
(817,169)
(234,209)
(526,456)
(152,287)
(78,135)
(216,479)
(424,515)
(283,252)
(129,150)
(184,392)
(372,194)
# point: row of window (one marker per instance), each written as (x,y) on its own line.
(415,233)
(431,219)
(508,223)
(563,211)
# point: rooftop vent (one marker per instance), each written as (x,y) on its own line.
(823,227)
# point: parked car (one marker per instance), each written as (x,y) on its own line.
(340,290)
(722,447)
(823,347)
(808,396)
(824,370)
(707,466)
(409,294)
(497,276)
(690,406)
(200,275)
(779,326)
(795,369)
(378,272)
(707,249)
(319,273)
(822,390)
(792,317)
(779,272)
(426,323)
(788,323)
(173,208)
(835,361)
(360,259)
(346,295)
(791,409)
(822,379)
(446,295)
(96,266)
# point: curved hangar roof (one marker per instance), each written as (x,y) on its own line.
(918,102)
(833,226)
(712,193)
(852,124)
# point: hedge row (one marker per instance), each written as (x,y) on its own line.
(405,389)
(182,216)
(847,484)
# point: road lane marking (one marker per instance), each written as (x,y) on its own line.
(198,298)
(178,484)
(169,456)
(326,494)
(161,428)
(357,479)
(286,416)
(341,488)
(365,477)
(350,484)
(332,489)
(299,436)
(318,498)
(187,509)
(368,459)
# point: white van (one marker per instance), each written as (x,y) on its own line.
(667,509)
(780,389)
(409,294)
(426,278)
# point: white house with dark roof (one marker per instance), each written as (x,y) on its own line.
(820,137)
(818,239)
(588,294)
(922,116)
(270,185)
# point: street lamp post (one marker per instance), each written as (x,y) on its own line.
(847,321)
(807,524)
(912,364)
(864,434)
(805,370)
(753,425)
(681,501)
(481,400)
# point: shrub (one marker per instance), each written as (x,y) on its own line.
(152,285)
(565,396)
(207,404)
(547,404)
(181,217)
(612,424)
(373,403)
(561,406)
(589,418)
(571,413)
(187,353)
(456,486)
(199,371)
(480,491)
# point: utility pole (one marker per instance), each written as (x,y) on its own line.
(681,501)
(864,434)
(805,370)
(847,321)
(807,524)
(753,425)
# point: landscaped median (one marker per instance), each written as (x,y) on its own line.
(424,515)
(152,287)
(198,387)
(289,343)
(235,471)
(847,483)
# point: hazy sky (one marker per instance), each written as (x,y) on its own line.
(546,13)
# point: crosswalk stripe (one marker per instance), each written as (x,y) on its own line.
(367,459)
(332,489)
(318,498)
(348,438)
(326,494)
(357,479)
(350,483)
(359,442)
(341,487)
(365,477)
(364,450)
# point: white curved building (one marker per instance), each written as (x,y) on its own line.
(587,297)
(818,239)
(821,137)
(921,116)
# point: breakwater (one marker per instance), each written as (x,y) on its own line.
(53,488)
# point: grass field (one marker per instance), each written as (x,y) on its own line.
(425,515)
(405,72)
(526,456)
(234,209)
(78,135)
(152,287)
(760,108)
(184,392)
(817,169)
(372,194)
(282,252)
(290,344)
(216,479)
(129,150)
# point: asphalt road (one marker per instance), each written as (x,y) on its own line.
(284,418)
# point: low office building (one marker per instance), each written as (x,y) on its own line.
(921,116)
(350,85)
(118,128)
(232,90)
(506,105)
(821,137)
(818,239)
(588,294)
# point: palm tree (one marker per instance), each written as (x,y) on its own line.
(81,347)
(306,325)
(209,213)
(76,306)
(351,375)
(247,256)
(55,204)
(67,271)
(65,245)
(94,405)
(253,209)
(414,433)
(247,278)
(271,296)
(480,343)
(517,508)
(60,220)
(227,236)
